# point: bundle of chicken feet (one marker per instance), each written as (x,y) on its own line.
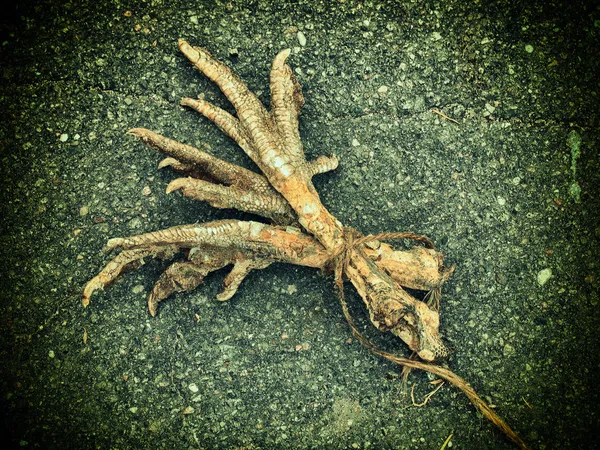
(300,230)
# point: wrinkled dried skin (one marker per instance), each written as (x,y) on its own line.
(391,308)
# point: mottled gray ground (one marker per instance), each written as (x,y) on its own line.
(509,195)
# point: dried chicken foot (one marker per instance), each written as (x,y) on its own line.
(180,276)
(217,244)
(218,169)
(247,191)
(233,197)
(271,139)
(239,188)
(246,245)
(186,276)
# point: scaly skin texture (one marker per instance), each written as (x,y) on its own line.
(285,195)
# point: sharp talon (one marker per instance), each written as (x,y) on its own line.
(113,243)
(225,295)
(334,162)
(187,101)
(176,184)
(279,60)
(168,162)
(135,131)
(93,285)
(152,306)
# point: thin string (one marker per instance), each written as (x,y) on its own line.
(341,260)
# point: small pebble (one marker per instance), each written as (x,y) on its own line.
(134,223)
(51,354)
(64,137)
(301,38)
(501,201)
(355,143)
(529,48)
(138,289)
(508,350)
(543,276)
(192,387)
(84,210)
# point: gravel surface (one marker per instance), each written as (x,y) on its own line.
(508,192)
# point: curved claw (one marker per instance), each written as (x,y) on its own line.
(112,244)
(279,60)
(127,259)
(286,92)
(169,162)
(93,285)
(176,184)
(139,132)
